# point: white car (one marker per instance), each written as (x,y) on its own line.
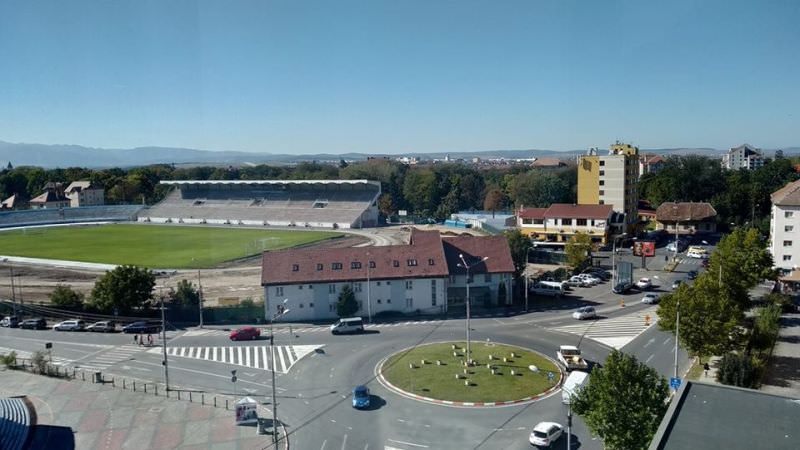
(544,434)
(587,312)
(644,283)
(650,299)
(589,278)
(70,325)
(698,255)
(578,281)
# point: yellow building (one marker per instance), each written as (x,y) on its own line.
(611,179)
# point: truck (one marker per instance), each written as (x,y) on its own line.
(570,357)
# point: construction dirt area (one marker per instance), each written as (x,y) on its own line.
(232,281)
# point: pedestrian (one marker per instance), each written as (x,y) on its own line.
(141,340)
(135,339)
(705,368)
(149,340)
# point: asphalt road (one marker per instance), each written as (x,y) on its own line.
(318,370)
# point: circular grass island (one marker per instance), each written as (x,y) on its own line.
(499,373)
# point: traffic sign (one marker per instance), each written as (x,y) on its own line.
(233,379)
(675,383)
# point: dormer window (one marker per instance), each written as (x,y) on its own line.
(396,263)
(372,264)
(430,261)
(411,262)
(355,265)
(320,266)
(336,266)
(295,267)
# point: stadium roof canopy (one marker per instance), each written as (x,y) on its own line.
(268,182)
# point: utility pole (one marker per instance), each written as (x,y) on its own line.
(13,294)
(369,300)
(569,425)
(280,312)
(164,341)
(200,297)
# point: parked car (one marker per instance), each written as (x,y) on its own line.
(245,334)
(676,284)
(104,326)
(34,324)
(692,274)
(598,273)
(360,397)
(10,322)
(586,312)
(70,325)
(578,281)
(697,255)
(544,434)
(549,288)
(644,283)
(141,327)
(590,278)
(650,298)
(621,287)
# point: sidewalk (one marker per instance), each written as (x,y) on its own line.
(84,415)
(783,373)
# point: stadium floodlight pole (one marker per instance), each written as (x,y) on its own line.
(281,310)
(467,267)
(200,297)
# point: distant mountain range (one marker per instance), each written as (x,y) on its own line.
(51,156)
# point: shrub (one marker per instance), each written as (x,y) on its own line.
(9,360)
(39,362)
(737,370)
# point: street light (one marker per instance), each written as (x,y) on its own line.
(163,338)
(467,267)
(525,273)
(677,334)
(281,311)
(369,301)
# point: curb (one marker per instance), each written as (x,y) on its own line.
(457,404)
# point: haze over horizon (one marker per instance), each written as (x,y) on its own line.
(393,78)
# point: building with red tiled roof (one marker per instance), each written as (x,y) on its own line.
(420,276)
(561,221)
(686,217)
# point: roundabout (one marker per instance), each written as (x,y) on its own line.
(499,375)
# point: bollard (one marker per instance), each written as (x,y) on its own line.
(423,362)
(466,382)
(494,372)
(145,388)
(438,362)
(491,357)
(453,347)
(123,384)
(458,376)
(488,366)
(226,404)
(83,376)
(513,373)
(112,382)
(179,395)
(190,396)
(134,385)
(215,401)
(505,360)
(156,391)
(513,355)
(410,365)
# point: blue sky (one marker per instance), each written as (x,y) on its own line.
(399,76)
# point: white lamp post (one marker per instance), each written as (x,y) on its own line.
(467,267)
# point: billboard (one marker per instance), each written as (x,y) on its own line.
(644,248)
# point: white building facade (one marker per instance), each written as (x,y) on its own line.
(744,156)
(784,227)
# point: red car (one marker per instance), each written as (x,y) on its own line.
(245,333)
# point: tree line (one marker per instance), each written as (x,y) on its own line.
(434,191)
(438,190)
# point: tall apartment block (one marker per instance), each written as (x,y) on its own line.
(611,179)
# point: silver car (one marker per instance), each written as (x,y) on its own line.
(70,325)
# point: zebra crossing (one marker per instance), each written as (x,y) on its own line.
(308,329)
(256,357)
(113,356)
(615,332)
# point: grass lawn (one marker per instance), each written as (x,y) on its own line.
(153,246)
(439,381)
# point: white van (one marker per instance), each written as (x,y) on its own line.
(551,288)
(575,382)
(348,325)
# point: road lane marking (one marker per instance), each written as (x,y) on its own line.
(407,443)
(344,442)
(649,358)
(649,342)
(200,372)
(323,444)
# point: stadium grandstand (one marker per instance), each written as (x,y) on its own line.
(300,203)
(49,216)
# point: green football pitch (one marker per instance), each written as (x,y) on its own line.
(154,246)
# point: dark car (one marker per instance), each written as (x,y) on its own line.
(360,397)
(34,324)
(104,326)
(245,334)
(621,288)
(141,327)
(692,274)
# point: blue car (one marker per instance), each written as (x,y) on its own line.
(360,397)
